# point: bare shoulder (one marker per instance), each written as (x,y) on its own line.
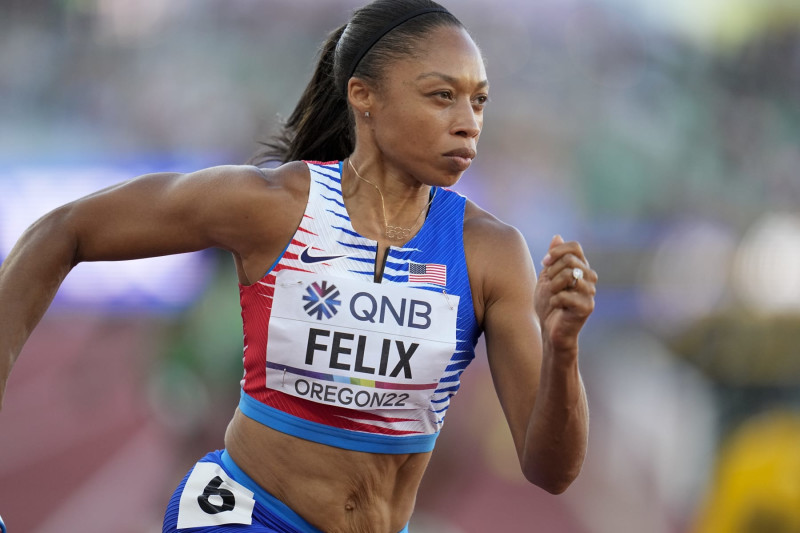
(291,178)
(248,192)
(244,208)
(487,235)
(497,257)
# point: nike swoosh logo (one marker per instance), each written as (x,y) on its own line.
(306,257)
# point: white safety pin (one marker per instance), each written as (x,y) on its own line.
(447,299)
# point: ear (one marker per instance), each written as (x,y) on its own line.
(360,95)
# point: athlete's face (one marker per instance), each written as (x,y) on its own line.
(429,109)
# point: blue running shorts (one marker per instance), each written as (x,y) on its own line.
(216,496)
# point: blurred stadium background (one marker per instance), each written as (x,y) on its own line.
(665,136)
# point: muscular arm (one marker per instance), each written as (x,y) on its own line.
(155,214)
(531,333)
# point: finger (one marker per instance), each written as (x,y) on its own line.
(559,250)
(578,304)
(573,275)
(571,247)
(554,242)
(565,262)
(566,280)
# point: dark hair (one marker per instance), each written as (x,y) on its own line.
(321,127)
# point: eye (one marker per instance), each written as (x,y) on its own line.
(481,100)
(445,95)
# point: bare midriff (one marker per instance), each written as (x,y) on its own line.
(335,490)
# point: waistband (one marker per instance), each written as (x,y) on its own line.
(332,436)
(273,504)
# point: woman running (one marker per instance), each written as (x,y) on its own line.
(365,283)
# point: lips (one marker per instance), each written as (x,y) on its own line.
(461,158)
(466,153)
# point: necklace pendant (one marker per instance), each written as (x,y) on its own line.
(396,232)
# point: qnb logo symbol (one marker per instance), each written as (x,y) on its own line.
(321,300)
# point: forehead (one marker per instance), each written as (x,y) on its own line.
(449,51)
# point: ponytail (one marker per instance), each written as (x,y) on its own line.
(320,128)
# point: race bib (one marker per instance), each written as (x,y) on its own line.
(358,345)
(211,498)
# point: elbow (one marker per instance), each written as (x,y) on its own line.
(55,230)
(554,487)
(553,480)
(52,239)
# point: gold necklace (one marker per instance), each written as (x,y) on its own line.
(396,233)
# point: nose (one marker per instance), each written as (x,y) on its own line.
(467,122)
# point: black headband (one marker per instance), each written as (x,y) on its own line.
(383,31)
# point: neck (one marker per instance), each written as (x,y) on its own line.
(398,187)
(390,206)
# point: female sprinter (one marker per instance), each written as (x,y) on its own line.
(364,284)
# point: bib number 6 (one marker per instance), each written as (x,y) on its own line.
(213,490)
(211,497)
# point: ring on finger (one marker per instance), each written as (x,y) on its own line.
(577,275)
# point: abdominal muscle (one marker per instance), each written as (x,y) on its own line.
(334,489)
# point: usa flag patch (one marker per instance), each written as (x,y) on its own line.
(427,273)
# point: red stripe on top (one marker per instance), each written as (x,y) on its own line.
(280,267)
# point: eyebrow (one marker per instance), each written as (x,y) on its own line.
(449,79)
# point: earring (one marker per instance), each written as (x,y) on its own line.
(366,114)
